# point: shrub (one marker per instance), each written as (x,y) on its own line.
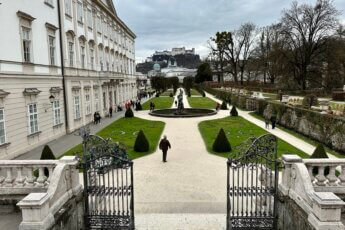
(233,111)
(224,106)
(129,113)
(189,95)
(171,95)
(203,94)
(141,143)
(157,94)
(319,153)
(310,100)
(47,154)
(221,144)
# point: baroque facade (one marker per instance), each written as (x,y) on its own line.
(46,89)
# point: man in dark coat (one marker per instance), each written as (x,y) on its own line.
(164,145)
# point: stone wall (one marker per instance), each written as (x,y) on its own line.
(325,128)
(290,215)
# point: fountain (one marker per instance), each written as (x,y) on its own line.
(181,112)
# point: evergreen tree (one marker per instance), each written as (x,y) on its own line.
(129,113)
(233,111)
(47,154)
(221,144)
(224,106)
(141,143)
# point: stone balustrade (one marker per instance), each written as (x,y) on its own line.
(49,191)
(314,193)
(25,176)
(327,175)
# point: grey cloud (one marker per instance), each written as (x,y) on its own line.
(163,24)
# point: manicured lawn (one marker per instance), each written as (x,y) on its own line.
(194,92)
(238,130)
(160,102)
(202,102)
(125,130)
(302,137)
(167,93)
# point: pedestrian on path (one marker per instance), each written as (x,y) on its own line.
(273,120)
(267,123)
(111,111)
(164,145)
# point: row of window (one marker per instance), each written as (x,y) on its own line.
(101,25)
(27,53)
(32,114)
(27,45)
(88,109)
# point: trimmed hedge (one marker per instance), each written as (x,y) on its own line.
(325,128)
(233,111)
(129,113)
(224,106)
(141,144)
(221,144)
(47,154)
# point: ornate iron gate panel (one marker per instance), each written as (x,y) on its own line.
(252,186)
(108,185)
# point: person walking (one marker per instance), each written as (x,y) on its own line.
(273,120)
(111,111)
(267,123)
(164,145)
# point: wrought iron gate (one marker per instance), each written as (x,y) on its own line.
(108,184)
(252,186)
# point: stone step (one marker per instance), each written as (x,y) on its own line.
(185,221)
(180,207)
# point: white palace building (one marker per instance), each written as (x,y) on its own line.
(60,61)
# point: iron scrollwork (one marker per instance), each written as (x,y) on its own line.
(108,184)
(252,186)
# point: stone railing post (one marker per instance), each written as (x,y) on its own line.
(326,211)
(288,160)
(72,162)
(35,212)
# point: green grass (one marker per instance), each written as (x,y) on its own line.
(160,102)
(125,130)
(194,92)
(302,137)
(202,102)
(167,93)
(238,131)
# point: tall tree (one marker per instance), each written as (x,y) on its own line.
(305,28)
(204,73)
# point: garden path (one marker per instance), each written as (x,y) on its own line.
(188,190)
(298,143)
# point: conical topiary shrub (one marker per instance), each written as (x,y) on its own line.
(129,113)
(139,107)
(224,106)
(221,144)
(319,153)
(141,143)
(233,111)
(47,154)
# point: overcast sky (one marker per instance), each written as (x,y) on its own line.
(163,24)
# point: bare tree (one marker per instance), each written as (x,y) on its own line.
(305,28)
(233,49)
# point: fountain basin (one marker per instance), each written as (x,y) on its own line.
(189,112)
